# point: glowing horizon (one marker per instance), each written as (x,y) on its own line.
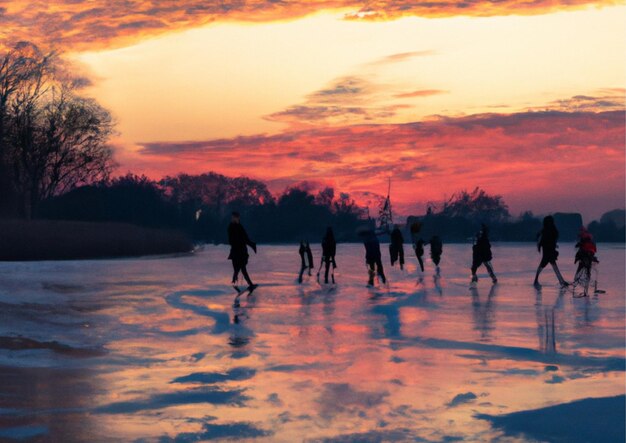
(517,101)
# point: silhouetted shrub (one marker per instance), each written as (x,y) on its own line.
(65,240)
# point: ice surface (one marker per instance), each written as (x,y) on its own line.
(152,349)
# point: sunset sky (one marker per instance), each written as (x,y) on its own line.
(524,99)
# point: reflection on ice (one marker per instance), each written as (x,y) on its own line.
(166,350)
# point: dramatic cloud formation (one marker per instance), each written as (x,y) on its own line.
(350,100)
(533,158)
(81,24)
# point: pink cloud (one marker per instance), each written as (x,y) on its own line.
(537,160)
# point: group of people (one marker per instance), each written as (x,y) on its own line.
(547,240)
(585,255)
(481,253)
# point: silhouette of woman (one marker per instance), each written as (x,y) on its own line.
(547,244)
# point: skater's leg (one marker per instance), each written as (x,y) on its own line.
(381,271)
(302,269)
(475,265)
(326,271)
(490,271)
(236,269)
(244,272)
(421,262)
(539,269)
(558,274)
(370,273)
(401,253)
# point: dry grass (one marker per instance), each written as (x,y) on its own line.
(66,240)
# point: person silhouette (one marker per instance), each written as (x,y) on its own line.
(329,249)
(419,252)
(481,254)
(239,242)
(436,249)
(418,243)
(306,258)
(396,248)
(585,257)
(547,245)
(373,257)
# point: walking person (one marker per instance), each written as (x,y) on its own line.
(419,252)
(547,245)
(373,257)
(418,243)
(329,249)
(239,242)
(481,254)
(436,249)
(396,248)
(306,258)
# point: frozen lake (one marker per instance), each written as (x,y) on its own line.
(148,350)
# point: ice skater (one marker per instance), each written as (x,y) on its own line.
(329,249)
(436,249)
(481,254)
(239,242)
(547,244)
(396,248)
(419,252)
(373,257)
(306,258)
(418,243)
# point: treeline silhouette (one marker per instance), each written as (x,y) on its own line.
(460,217)
(52,139)
(200,205)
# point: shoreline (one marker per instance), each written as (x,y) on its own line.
(56,240)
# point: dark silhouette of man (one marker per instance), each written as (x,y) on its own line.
(329,249)
(373,257)
(436,249)
(239,242)
(396,248)
(419,252)
(481,254)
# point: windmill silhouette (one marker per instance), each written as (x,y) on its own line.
(385,216)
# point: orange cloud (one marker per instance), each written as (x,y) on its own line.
(92,24)
(537,160)
(420,93)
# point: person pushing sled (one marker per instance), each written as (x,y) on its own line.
(587,265)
